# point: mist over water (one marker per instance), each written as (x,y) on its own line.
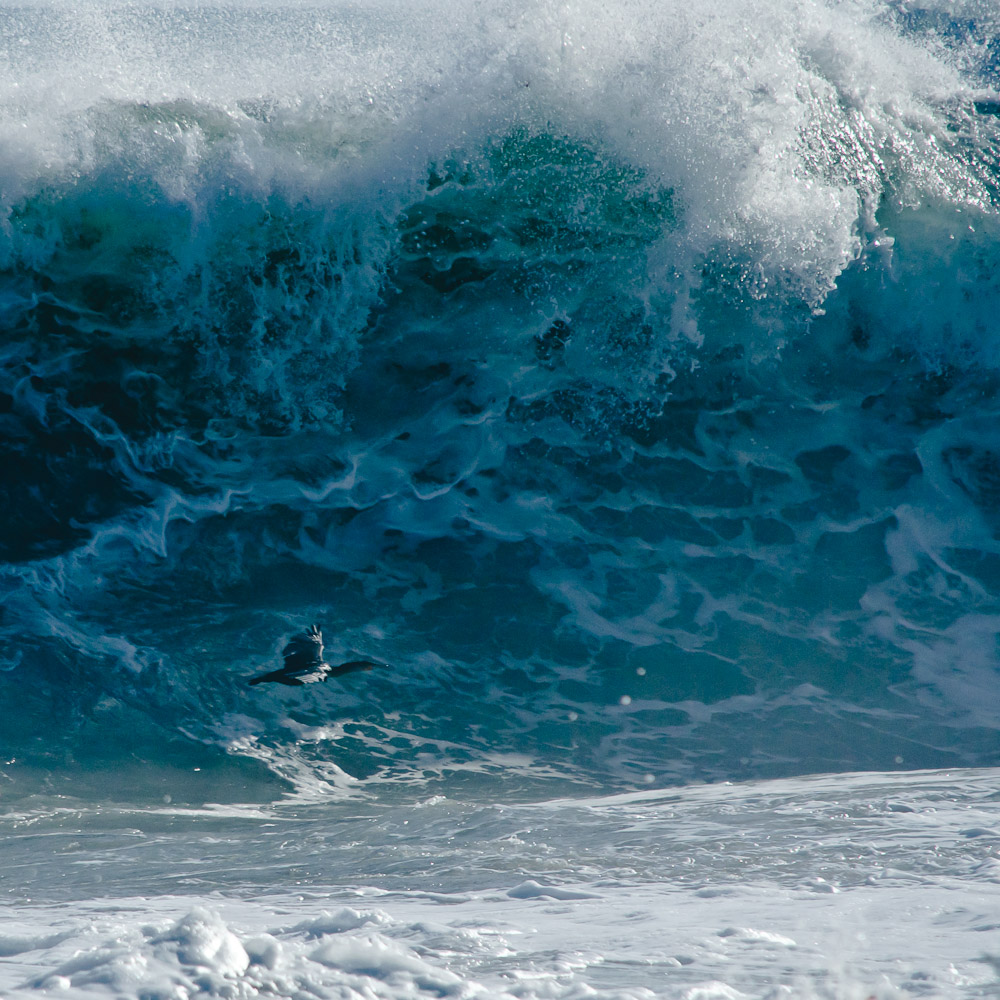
(624,379)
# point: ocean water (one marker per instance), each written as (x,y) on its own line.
(622,377)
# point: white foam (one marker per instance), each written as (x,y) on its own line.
(535,890)
(702,892)
(778,124)
(202,939)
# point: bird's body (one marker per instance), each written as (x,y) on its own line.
(304,663)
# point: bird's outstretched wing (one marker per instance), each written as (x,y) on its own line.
(277,677)
(304,652)
(349,668)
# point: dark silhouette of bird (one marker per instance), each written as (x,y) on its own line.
(304,663)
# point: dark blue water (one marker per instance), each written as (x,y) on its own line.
(626,381)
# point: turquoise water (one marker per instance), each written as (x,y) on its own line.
(625,380)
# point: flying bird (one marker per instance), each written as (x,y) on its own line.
(304,663)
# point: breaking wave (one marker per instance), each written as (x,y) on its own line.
(624,378)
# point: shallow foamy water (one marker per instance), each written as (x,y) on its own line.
(838,886)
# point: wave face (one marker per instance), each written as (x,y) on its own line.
(624,378)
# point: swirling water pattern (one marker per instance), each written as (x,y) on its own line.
(625,380)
